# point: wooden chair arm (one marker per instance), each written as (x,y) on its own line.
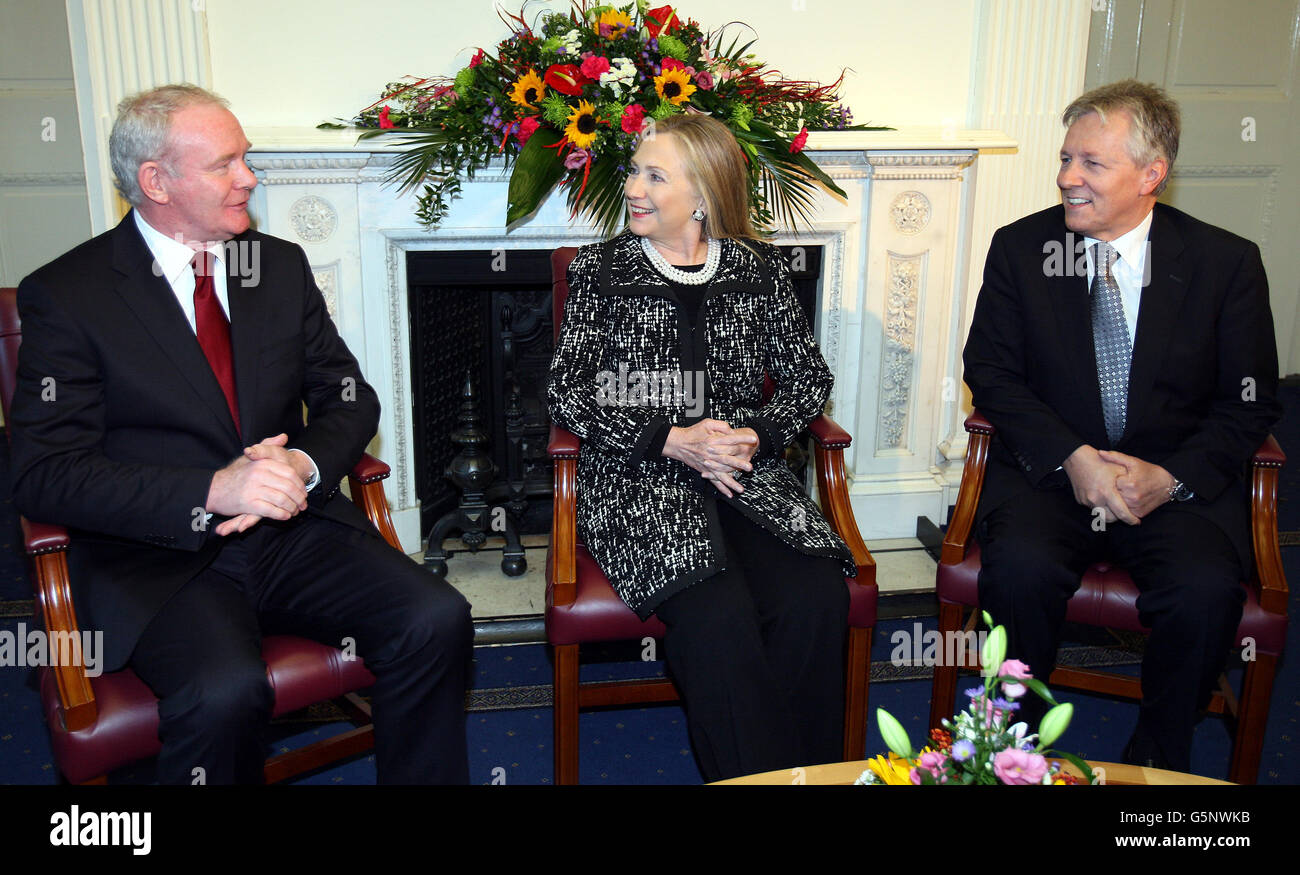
(366,483)
(1266,464)
(829,443)
(829,435)
(39,538)
(563,444)
(47,546)
(369,469)
(563,447)
(957,536)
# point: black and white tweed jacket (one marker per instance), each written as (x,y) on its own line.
(628,360)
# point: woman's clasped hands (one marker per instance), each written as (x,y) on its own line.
(715,449)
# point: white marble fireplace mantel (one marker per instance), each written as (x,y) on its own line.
(891,301)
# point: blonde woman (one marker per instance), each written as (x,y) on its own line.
(685,501)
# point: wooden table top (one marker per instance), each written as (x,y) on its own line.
(846,773)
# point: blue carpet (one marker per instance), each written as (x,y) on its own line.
(649,745)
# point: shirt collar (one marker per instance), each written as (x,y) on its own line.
(173,257)
(1131,246)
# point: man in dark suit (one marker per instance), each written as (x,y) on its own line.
(1124,352)
(159,413)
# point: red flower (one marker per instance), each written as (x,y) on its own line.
(383,117)
(633,119)
(663,19)
(527,127)
(565,78)
(671,64)
(797,145)
(593,66)
(477,59)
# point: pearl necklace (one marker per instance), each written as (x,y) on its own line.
(690,278)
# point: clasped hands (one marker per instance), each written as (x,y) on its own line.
(715,449)
(267,482)
(1124,487)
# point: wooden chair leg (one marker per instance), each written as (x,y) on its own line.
(857,677)
(565,702)
(943,692)
(1252,719)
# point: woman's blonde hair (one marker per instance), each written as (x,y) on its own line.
(716,168)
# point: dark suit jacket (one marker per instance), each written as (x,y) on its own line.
(118,422)
(1203,378)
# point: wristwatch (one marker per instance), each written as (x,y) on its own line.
(1180,492)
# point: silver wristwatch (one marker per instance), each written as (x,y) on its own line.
(1180,492)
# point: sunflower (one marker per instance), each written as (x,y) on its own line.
(612,24)
(581,129)
(894,770)
(674,86)
(528,90)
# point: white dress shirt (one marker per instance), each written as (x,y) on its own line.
(1127,269)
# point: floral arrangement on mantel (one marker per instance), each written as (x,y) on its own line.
(564,100)
(983,744)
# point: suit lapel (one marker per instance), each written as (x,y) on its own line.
(151,299)
(1161,302)
(1068,294)
(245,327)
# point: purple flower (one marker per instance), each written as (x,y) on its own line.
(963,750)
(1002,704)
(974,692)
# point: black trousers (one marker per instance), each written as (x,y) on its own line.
(757,652)
(201,654)
(1034,551)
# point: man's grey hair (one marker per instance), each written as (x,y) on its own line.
(141,130)
(1155,119)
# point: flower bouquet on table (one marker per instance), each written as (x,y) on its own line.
(983,744)
(563,101)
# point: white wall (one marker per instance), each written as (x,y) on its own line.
(300,62)
(43,210)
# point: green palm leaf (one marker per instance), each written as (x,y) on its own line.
(787,182)
(537,169)
(602,201)
(418,162)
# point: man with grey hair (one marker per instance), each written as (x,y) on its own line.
(158,413)
(1124,352)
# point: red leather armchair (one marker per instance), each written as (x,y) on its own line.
(98,724)
(582,607)
(1108,598)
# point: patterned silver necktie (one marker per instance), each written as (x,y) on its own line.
(1110,340)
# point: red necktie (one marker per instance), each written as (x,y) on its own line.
(213,329)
